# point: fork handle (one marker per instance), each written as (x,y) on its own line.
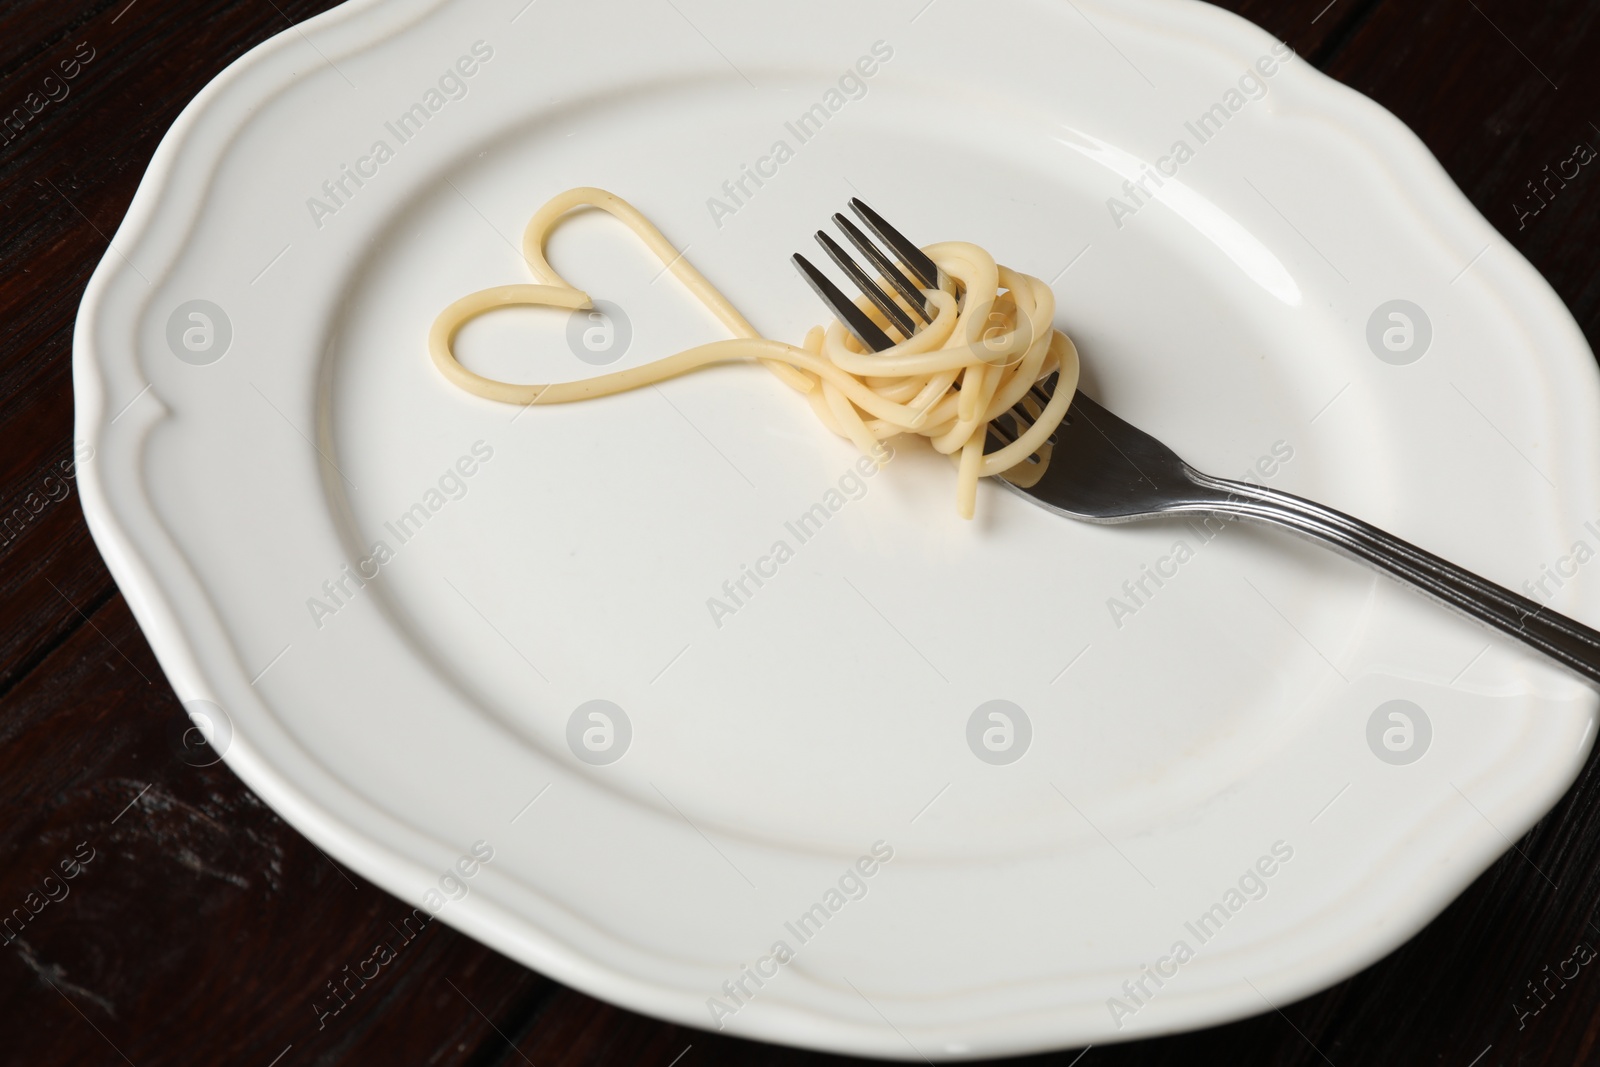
(1567,641)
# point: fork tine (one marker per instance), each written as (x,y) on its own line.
(865,283)
(886,266)
(1004,435)
(913,258)
(1045,388)
(1021,419)
(1020,423)
(855,320)
(1042,391)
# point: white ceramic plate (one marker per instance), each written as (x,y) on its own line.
(566,555)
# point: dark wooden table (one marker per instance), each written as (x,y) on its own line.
(202,928)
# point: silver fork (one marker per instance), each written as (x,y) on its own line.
(1104,470)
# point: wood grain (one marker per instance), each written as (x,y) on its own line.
(204,930)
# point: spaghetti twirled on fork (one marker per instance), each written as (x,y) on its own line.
(947,381)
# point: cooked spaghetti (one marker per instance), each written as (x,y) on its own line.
(946,382)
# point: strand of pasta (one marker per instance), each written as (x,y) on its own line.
(946,382)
